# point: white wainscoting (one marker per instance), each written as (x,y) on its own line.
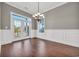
(0,40)
(8,37)
(0,36)
(69,37)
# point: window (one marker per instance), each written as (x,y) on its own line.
(42,25)
(21,25)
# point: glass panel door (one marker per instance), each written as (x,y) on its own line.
(21,25)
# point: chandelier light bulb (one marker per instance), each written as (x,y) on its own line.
(38,15)
(33,16)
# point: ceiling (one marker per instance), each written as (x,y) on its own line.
(32,7)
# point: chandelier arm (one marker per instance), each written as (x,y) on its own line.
(38,15)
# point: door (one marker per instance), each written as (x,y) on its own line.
(21,26)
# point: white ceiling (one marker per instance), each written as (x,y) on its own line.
(32,7)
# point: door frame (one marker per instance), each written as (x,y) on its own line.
(12,27)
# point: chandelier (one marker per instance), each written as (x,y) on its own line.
(38,16)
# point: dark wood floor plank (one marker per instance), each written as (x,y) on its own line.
(38,48)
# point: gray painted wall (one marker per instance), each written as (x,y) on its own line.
(6,9)
(0,15)
(34,25)
(63,17)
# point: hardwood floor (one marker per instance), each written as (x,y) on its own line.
(38,48)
